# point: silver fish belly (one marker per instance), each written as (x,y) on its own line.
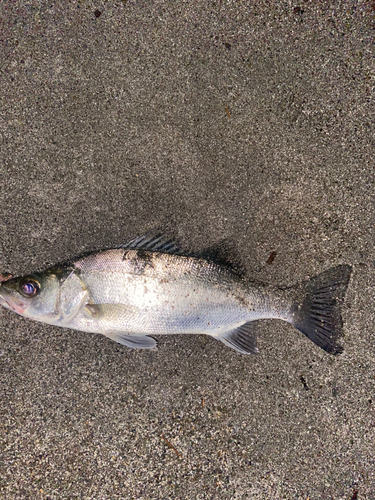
(148,288)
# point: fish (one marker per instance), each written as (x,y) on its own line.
(149,287)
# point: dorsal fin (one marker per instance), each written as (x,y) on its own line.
(224,254)
(153,241)
(221,253)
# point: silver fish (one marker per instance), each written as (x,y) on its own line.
(150,287)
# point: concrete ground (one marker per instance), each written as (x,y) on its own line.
(251,121)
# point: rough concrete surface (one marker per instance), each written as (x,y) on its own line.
(247,121)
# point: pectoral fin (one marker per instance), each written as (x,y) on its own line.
(133,341)
(113,319)
(242,339)
(110,312)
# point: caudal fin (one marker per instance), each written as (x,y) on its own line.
(317,310)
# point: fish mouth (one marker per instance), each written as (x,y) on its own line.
(8,301)
(5,277)
(11,303)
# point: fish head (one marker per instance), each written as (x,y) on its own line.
(34,296)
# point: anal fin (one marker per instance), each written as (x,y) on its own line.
(242,339)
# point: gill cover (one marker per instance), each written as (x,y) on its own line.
(53,297)
(73,297)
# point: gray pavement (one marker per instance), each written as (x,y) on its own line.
(213,120)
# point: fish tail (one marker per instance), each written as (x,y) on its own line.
(316,311)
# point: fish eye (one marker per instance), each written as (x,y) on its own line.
(29,287)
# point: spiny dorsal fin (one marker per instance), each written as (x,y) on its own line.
(221,253)
(153,241)
(242,339)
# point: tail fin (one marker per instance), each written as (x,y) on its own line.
(317,312)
